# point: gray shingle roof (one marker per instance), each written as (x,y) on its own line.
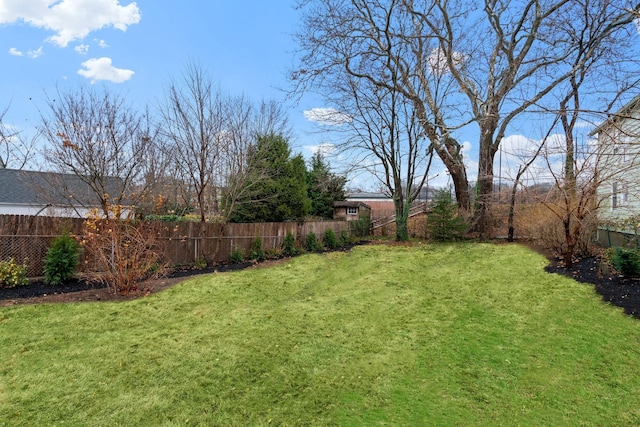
(35,188)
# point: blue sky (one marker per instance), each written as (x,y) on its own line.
(135,48)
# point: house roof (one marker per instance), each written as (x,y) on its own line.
(349,204)
(367,195)
(621,113)
(39,188)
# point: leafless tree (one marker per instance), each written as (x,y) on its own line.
(380,123)
(600,67)
(457,65)
(603,68)
(210,134)
(159,187)
(96,136)
(16,149)
(381,45)
(193,122)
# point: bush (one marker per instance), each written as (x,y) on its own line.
(256,252)
(201,263)
(344,238)
(443,222)
(361,227)
(330,240)
(123,250)
(626,261)
(274,253)
(311,243)
(289,245)
(236,256)
(61,260)
(13,274)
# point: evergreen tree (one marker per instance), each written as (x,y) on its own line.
(280,192)
(443,222)
(323,187)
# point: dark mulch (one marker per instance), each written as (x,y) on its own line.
(614,288)
(38,288)
(84,290)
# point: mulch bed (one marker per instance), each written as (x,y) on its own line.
(615,289)
(85,290)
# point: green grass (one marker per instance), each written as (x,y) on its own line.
(465,334)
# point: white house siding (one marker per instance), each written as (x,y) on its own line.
(619,164)
(62,212)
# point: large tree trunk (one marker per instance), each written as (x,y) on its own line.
(458,173)
(484,187)
(402,218)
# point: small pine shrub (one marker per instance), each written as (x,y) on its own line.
(361,227)
(626,261)
(256,252)
(344,238)
(443,223)
(200,263)
(13,274)
(236,256)
(330,240)
(312,244)
(61,260)
(289,245)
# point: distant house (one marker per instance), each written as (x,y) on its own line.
(350,211)
(618,165)
(46,193)
(380,204)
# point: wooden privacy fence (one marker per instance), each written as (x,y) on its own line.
(181,243)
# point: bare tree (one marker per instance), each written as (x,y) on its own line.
(97,137)
(159,186)
(457,65)
(602,53)
(381,122)
(193,116)
(381,45)
(16,149)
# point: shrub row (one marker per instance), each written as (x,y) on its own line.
(330,241)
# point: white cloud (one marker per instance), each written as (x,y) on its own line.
(102,69)
(325,148)
(82,49)
(103,44)
(470,165)
(437,61)
(70,19)
(31,53)
(516,150)
(35,53)
(327,116)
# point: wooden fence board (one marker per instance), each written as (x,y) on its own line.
(181,243)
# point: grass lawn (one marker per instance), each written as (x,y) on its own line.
(465,334)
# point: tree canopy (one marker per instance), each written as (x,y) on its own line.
(323,187)
(281,194)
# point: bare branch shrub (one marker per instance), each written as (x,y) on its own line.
(123,249)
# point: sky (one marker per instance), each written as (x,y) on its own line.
(135,48)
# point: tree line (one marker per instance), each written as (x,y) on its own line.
(204,152)
(407,76)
